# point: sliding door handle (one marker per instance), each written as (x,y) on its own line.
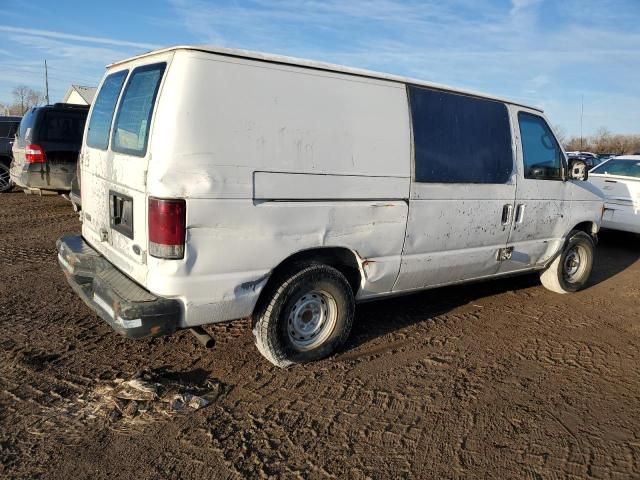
(507,214)
(520,213)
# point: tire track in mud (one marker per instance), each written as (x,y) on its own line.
(501,380)
(15,255)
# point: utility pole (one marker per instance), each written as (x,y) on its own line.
(581,116)
(46,82)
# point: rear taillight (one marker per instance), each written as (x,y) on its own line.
(167,219)
(34,154)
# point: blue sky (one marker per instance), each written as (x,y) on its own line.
(544,52)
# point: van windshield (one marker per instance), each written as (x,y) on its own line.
(132,124)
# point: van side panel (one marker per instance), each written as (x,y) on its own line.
(220,119)
(305,186)
(273,160)
(232,246)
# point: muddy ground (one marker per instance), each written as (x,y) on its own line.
(500,380)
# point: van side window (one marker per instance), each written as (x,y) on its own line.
(103,108)
(460,139)
(133,120)
(542,157)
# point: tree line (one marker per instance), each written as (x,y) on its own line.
(603,141)
(23,99)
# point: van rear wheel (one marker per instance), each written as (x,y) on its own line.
(570,271)
(305,316)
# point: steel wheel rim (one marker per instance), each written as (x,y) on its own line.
(311,319)
(575,263)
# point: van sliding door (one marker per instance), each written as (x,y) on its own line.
(463,189)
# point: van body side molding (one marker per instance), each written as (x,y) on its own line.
(312,186)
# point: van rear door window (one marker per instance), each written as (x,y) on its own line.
(131,129)
(460,139)
(103,108)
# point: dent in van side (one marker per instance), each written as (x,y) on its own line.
(227,261)
(306,161)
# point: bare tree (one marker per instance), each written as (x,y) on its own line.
(573,144)
(561,133)
(35,98)
(24,98)
(603,141)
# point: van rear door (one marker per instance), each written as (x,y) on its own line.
(115,160)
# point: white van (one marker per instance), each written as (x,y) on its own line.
(222,184)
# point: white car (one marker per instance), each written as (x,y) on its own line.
(619,179)
(221,184)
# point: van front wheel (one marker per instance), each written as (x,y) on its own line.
(570,271)
(306,315)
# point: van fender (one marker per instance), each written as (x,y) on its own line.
(588,226)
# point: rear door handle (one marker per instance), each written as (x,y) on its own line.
(520,213)
(507,214)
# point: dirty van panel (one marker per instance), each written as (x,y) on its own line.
(463,190)
(542,207)
(115,163)
(276,118)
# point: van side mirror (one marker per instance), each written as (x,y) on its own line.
(578,170)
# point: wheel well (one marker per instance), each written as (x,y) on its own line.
(342,259)
(5,160)
(587,227)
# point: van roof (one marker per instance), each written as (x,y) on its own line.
(316,65)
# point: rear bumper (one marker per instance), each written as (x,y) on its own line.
(131,310)
(44,176)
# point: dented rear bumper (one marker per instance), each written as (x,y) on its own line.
(126,306)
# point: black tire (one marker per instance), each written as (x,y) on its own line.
(280,311)
(557,277)
(6,185)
